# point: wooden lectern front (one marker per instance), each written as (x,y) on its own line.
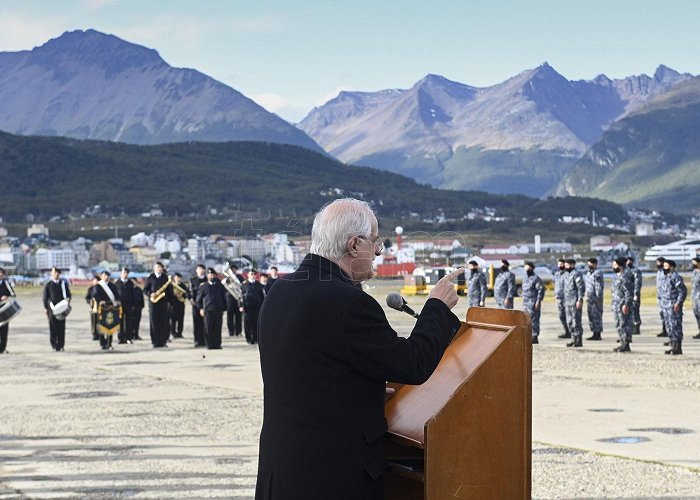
(467,431)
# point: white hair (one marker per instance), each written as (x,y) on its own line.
(336,223)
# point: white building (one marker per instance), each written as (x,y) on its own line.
(61,258)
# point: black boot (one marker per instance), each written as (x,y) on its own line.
(595,336)
(677,348)
(635,329)
(565,335)
(578,341)
(663,333)
(697,336)
(623,347)
(571,344)
(667,342)
(534,339)
(673,347)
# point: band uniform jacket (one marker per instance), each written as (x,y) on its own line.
(101,295)
(126,292)
(53,293)
(139,301)
(326,352)
(212,296)
(195,283)
(253,294)
(4,289)
(153,284)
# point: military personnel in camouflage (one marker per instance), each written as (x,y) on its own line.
(476,285)
(673,294)
(636,300)
(574,290)
(533,293)
(559,276)
(659,278)
(622,299)
(504,287)
(593,280)
(695,294)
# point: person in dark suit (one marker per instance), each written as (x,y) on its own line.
(138,310)
(6,291)
(56,290)
(253,295)
(211,302)
(159,309)
(197,318)
(326,353)
(177,306)
(271,278)
(90,300)
(106,295)
(125,288)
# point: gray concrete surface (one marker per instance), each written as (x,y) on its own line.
(181,422)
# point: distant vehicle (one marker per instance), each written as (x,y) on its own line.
(681,251)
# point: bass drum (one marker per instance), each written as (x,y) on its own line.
(9,309)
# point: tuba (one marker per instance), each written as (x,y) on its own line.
(232,283)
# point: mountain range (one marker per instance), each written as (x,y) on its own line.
(90,85)
(650,158)
(522,135)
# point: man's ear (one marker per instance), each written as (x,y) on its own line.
(351,246)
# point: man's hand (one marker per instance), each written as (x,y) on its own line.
(625,309)
(444,289)
(201,312)
(537,306)
(579,304)
(4,297)
(676,308)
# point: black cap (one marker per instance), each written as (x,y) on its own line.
(211,271)
(178,275)
(593,260)
(105,271)
(660,259)
(629,259)
(473,263)
(571,261)
(620,261)
(125,269)
(530,264)
(56,269)
(505,262)
(671,263)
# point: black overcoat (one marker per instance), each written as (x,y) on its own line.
(326,351)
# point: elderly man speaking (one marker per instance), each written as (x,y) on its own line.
(326,351)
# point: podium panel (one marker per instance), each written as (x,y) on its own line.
(466,432)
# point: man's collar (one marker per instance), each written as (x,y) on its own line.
(313,260)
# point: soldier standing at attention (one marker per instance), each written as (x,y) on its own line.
(574,290)
(673,294)
(504,286)
(636,300)
(659,279)
(476,286)
(559,276)
(594,285)
(622,299)
(695,295)
(197,319)
(533,293)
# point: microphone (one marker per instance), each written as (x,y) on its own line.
(396,301)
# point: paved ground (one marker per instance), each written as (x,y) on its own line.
(180,422)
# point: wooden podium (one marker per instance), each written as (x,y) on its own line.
(467,431)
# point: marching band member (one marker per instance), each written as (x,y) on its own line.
(157,288)
(56,290)
(125,288)
(211,301)
(138,310)
(197,319)
(6,292)
(107,297)
(90,300)
(253,295)
(177,306)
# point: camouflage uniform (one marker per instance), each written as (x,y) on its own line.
(695,295)
(659,279)
(637,299)
(476,288)
(574,289)
(593,281)
(504,288)
(533,292)
(622,295)
(559,276)
(673,291)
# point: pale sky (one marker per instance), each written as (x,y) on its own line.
(292,55)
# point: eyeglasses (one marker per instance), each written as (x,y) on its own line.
(377,242)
